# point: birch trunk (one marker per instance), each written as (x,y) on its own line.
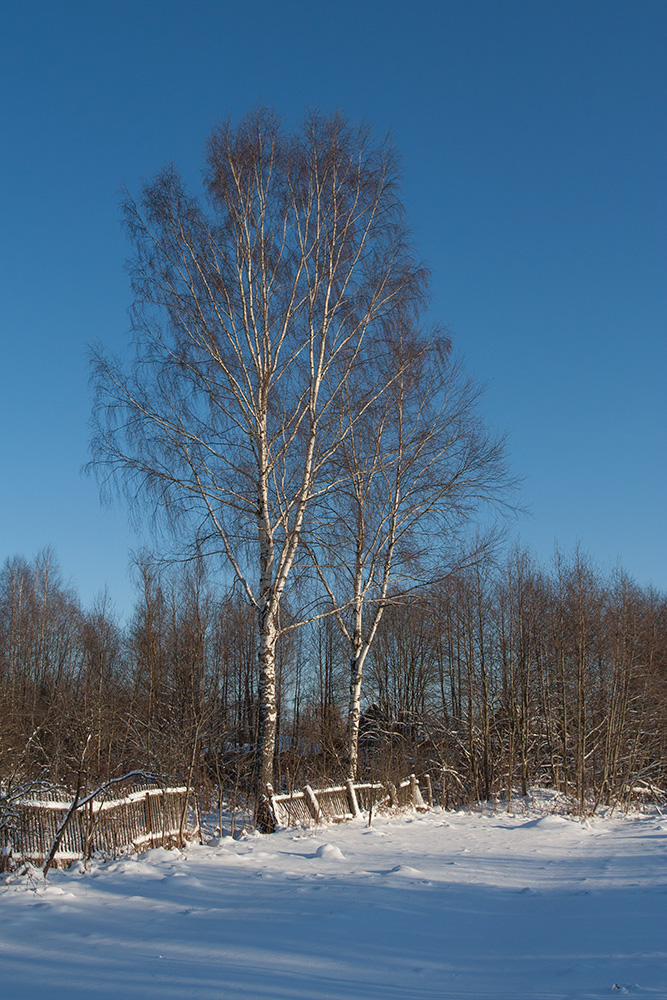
(357,660)
(267,699)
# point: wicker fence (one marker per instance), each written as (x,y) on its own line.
(309,806)
(145,816)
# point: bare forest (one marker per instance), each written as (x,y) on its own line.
(502,676)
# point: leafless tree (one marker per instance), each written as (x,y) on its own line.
(410,471)
(249,317)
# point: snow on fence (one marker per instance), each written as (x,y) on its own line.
(144,817)
(309,806)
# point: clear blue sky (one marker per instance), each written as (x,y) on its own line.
(533,137)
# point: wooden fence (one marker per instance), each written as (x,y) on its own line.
(145,816)
(149,816)
(310,806)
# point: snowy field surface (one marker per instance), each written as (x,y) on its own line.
(425,906)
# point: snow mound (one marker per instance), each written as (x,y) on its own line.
(329,852)
(404,870)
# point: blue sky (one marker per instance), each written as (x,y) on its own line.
(533,144)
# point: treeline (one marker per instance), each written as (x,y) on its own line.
(505,675)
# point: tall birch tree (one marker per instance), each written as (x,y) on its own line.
(252,309)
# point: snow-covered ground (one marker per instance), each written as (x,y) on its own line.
(424,906)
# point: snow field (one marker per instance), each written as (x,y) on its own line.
(437,905)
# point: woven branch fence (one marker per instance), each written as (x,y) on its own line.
(310,806)
(145,816)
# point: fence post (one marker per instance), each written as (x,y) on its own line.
(312,803)
(352,798)
(147,813)
(90,821)
(414,790)
(393,795)
(167,840)
(429,790)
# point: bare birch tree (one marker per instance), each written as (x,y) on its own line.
(414,463)
(250,314)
